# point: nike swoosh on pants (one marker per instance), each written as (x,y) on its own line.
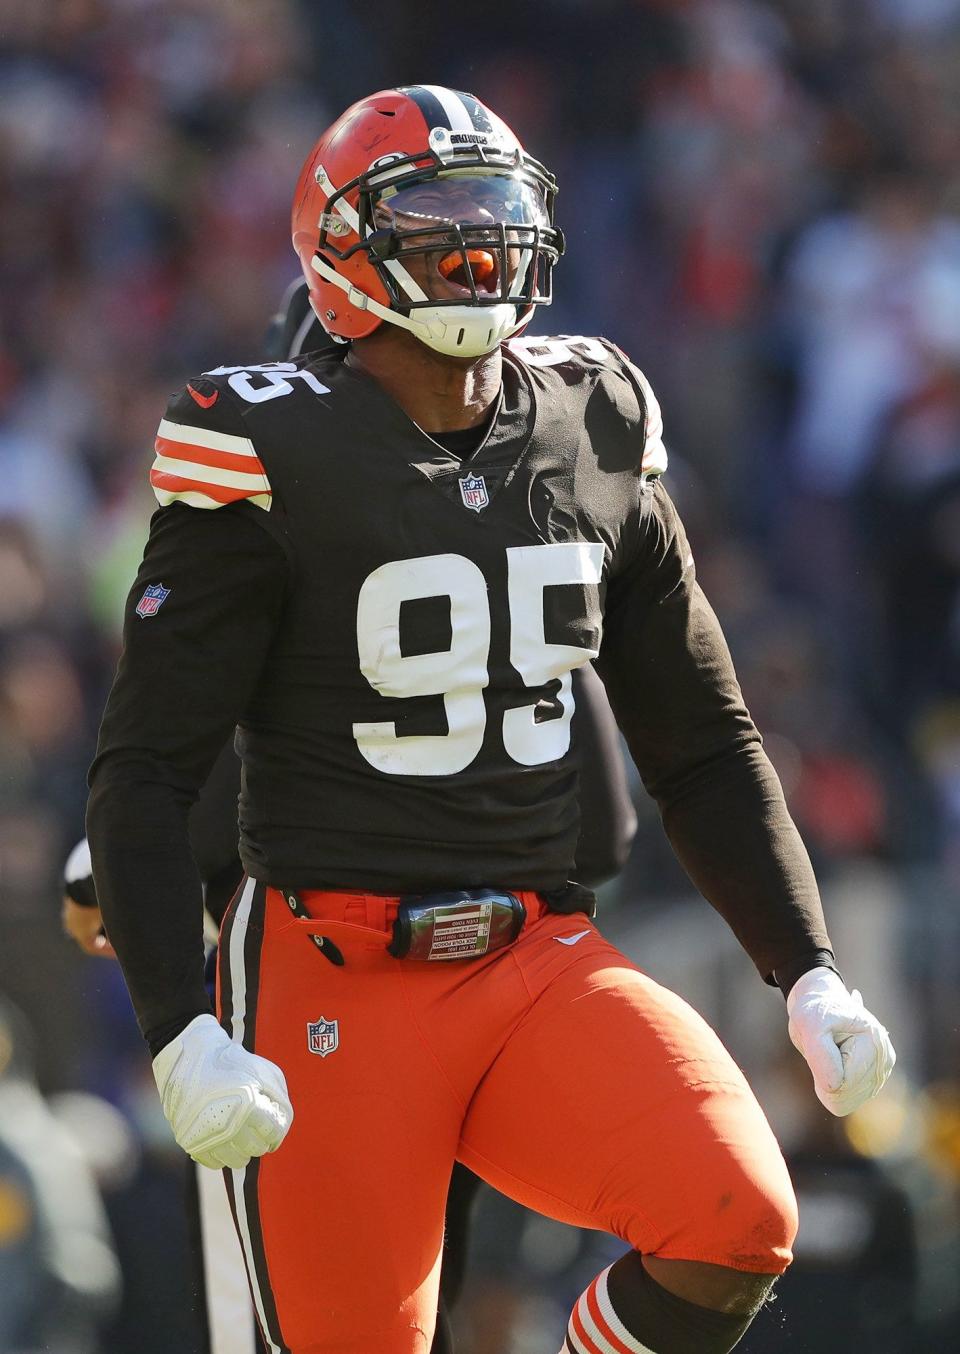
(572,940)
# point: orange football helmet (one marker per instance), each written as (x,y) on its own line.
(420,207)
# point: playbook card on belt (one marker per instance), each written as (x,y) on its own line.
(456,925)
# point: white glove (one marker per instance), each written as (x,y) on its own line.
(846,1048)
(225,1105)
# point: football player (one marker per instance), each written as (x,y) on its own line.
(607,826)
(382,565)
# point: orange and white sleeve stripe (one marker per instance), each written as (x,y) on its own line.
(206,469)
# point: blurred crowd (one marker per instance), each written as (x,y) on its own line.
(762,203)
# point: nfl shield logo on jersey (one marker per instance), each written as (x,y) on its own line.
(152,600)
(473,491)
(323,1036)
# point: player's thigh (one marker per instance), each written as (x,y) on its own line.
(342,1225)
(615,1106)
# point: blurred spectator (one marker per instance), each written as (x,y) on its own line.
(58,1273)
(860,288)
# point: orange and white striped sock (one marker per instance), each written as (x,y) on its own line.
(634,1314)
(595,1327)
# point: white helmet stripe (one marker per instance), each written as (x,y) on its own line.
(454,107)
(479,115)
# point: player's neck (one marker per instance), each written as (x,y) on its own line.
(440,394)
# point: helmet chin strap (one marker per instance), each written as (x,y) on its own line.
(455,331)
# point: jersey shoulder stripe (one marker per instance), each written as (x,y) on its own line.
(205,466)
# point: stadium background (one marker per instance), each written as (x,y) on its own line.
(761,201)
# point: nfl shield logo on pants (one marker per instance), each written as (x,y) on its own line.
(323,1036)
(473,491)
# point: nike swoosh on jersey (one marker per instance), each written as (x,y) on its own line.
(572,940)
(204,401)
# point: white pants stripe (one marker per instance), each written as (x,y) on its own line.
(230,1318)
(238,983)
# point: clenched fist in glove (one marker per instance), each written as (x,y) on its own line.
(846,1048)
(225,1105)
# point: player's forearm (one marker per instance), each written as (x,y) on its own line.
(150,893)
(188,668)
(730,828)
(673,688)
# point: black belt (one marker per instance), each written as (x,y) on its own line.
(458,923)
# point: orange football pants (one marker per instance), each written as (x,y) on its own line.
(554,1069)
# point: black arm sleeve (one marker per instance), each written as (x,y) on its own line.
(184,679)
(607,817)
(214,832)
(673,689)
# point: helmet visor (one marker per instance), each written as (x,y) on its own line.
(463,199)
(469,236)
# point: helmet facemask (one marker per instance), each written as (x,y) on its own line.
(462,239)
